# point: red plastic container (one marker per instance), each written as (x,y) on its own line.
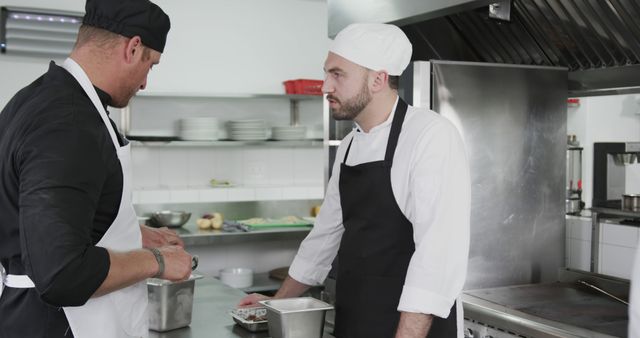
(303,87)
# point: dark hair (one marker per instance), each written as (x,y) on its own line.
(394,81)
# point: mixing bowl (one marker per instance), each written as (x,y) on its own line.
(170,219)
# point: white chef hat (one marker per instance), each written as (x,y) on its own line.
(375,46)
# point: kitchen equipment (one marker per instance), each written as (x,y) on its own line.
(561,309)
(170,303)
(610,162)
(593,287)
(237,277)
(573,201)
(170,219)
(252,319)
(631,202)
(296,317)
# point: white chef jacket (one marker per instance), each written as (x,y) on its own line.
(431,184)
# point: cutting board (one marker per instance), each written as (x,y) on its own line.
(261,223)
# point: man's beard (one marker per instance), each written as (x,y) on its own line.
(352,107)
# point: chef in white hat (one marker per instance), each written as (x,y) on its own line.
(396,211)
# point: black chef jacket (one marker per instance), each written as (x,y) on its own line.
(60,190)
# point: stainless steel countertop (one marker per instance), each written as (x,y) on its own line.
(212,302)
(191,235)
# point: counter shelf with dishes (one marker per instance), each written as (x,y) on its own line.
(212,304)
(284,134)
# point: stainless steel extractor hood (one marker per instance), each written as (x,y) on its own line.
(597,40)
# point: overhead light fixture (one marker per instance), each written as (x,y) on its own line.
(40,32)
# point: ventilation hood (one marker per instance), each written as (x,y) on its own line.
(597,40)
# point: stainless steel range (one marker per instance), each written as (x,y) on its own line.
(567,308)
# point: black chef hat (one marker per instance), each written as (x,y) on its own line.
(130,18)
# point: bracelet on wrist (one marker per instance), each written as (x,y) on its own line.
(160,259)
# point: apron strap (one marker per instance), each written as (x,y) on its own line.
(346,154)
(396,127)
(394,134)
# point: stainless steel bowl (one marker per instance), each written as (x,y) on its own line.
(170,219)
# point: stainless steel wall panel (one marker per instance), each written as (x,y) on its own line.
(513,122)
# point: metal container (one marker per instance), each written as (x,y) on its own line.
(631,202)
(170,219)
(296,317)
(170,303)
(252,319)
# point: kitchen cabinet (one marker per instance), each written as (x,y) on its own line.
(169,170)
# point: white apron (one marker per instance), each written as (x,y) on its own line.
(121,313)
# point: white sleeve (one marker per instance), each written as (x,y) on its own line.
(318,250)
(439,209)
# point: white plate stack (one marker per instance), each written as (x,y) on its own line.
(199,129)
(286,133)
(247,130)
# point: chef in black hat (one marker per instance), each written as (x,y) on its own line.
(73,256)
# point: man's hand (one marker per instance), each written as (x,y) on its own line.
(413,325)
(158,237)
(177,263)
(252,300)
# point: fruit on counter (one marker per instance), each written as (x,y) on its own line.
(315,211)
(210,221)
(217,220)
(203,223)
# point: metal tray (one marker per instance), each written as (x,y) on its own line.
(241,316)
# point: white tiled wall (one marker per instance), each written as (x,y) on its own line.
(617,247)
(182,174)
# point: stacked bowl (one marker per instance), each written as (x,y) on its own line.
(247,130)
(199,129)
(285,133)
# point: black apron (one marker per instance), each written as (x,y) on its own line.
(375,250)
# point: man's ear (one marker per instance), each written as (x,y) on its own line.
(133,49)
(380,80)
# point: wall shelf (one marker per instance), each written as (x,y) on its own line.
(227,194)
(308,143)
(229,96)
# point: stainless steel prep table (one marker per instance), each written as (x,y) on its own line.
(211,305)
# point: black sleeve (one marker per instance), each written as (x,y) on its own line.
(61,175)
